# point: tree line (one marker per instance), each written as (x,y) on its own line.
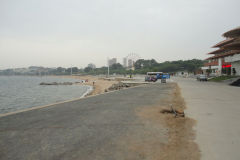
(141,66)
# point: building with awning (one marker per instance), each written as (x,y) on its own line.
(234,33)
(234,46)
(226,59)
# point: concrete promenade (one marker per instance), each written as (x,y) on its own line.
(87,129)
(216,107)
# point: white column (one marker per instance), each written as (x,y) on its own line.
(220,66)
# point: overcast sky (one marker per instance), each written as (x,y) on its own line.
(66,33)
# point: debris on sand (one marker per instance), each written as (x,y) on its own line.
(164,136)
(119,86)
(173,111)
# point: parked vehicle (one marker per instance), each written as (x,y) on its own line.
(157,75)
(150,78)
(154,76)
(202,77)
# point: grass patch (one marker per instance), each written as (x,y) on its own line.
(221,78)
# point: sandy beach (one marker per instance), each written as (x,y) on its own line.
(99,84)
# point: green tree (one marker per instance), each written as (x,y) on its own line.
(88,69)
(60,70)
(75,70)
(141,63)
(116,66)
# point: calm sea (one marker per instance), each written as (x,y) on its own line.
(21,92)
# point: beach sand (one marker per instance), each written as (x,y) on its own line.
(99,86)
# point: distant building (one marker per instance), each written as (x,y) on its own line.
(91,65)
(226,59)
(112,61)
(125,62)
(130,63)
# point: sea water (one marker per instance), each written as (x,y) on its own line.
(21,92)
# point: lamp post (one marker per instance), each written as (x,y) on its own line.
(108,67)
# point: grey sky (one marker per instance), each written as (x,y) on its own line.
(55,33)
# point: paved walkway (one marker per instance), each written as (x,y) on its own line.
(86,129)
(216,107)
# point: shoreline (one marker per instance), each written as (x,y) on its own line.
(99,85)
(52,104)
(98,88)
(89,90)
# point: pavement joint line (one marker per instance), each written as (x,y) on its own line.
(71,100)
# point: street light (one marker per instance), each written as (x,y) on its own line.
(108,66)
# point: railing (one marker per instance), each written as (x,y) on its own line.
(214,63)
